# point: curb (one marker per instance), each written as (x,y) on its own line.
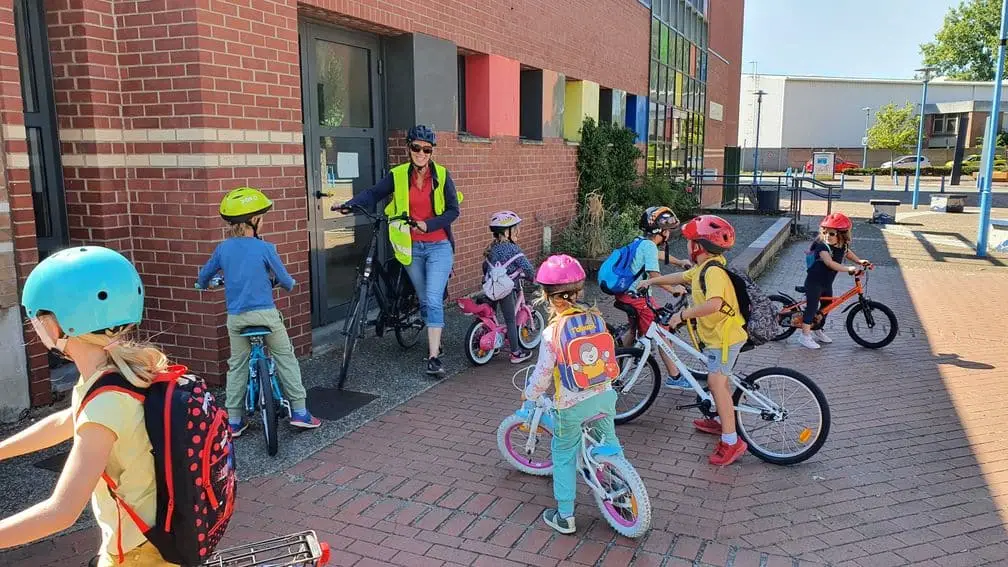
(757,257)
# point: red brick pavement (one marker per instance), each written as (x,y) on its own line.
(914,471)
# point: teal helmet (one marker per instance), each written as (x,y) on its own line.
(87,288)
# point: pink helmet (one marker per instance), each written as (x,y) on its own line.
(560,273)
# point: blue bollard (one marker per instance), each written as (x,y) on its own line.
(843,177)
(906,183)
(943,183)
(873,182)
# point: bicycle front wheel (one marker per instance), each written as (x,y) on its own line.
(268,407)
(795,426)
(872,324)
(624,501)
(512,435)
(352,328)
(637,385)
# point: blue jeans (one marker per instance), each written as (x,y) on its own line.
(429,271)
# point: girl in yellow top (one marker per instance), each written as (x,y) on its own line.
(82,303)
(719,324)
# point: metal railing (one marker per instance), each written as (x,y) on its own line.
(769,194)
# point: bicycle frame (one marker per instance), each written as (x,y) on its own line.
(834,302)
(252,398)
(373,274)
(488,315)
(655,335)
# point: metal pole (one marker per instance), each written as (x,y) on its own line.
(867,121)
(988,161)
(759,107)
(920,133)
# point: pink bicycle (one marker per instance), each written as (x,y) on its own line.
(487,336)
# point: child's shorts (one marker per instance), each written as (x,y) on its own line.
(715,363)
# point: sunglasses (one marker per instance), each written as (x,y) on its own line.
(829,232)
(417,148)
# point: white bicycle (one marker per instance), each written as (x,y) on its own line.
(780,413)
(524,439)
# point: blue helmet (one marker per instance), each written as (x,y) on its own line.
(87,288)
(421,133)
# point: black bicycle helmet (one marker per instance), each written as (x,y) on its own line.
(657,219)
(421,133)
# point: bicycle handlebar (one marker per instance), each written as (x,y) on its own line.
(359,210)
(217,282)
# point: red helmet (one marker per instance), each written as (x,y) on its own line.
(712,232)
(838,221)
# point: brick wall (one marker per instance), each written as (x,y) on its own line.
(560,35)
(537,181)
(723,79)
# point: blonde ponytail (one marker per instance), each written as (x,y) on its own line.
(138,362)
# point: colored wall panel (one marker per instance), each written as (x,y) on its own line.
(637,116)
(554,92)
(581,101)
(492,95)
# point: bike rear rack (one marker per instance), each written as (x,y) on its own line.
(301,549)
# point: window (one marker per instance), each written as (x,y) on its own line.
(461,94)
(605,105)
(530,104)
(945,125)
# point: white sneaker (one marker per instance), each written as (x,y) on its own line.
(821,337)
(807,341)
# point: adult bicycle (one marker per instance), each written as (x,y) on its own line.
(870,323)
(780,413)
(263,394)
(389,286)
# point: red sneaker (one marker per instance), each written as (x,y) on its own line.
(725,454)
(708,425)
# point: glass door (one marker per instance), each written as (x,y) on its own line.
(344,145)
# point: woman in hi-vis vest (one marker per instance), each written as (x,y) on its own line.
(425,191)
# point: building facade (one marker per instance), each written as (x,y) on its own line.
(124,123)
(799,115)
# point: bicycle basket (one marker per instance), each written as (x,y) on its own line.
(295,550)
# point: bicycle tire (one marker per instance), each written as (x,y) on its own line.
(513,455)
(638,410)
(408,330)
(784,316)
(471,335)
(873,305)
(536,336)
(820,398)
(641,502)
(352,333)
(268,407)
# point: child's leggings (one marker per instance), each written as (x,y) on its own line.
(567,443)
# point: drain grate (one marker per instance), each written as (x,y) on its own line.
(332,404)
(54,463)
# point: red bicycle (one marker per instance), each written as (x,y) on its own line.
(870,323)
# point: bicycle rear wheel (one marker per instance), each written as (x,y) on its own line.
(408,322)
(268,407)
(783,304)
(626,505)
(634,399)
(352,328)
(797,427)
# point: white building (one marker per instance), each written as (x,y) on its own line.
(803,114)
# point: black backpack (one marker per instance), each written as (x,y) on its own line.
(755,307)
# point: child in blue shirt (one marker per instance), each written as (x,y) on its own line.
(251,269)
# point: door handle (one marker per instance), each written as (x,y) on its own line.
(320,194)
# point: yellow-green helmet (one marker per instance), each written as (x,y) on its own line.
(243,203)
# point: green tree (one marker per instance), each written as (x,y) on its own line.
(895,129)
(966,46)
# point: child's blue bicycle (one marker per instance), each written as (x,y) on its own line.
(263,394)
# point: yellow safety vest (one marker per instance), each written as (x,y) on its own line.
(399,231)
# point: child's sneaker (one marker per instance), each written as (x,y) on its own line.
(807,341)
(562,525)
(237,428)
(708,425)
(305,420)
(725,454)
(434,367)
(520,356)
(821,337)
(678,383)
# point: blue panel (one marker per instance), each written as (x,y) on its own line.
(637,116)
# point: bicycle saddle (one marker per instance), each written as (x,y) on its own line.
(255,331)
(800,288)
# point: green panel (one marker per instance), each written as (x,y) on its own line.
(655,38)
(663,47)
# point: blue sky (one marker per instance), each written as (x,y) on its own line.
(842,38)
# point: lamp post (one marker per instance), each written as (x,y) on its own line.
(988,161)
(925,73)
(759,107)
(867,120)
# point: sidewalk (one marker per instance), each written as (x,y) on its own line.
(915,470)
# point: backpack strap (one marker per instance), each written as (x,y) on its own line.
(112,381)
(703,287)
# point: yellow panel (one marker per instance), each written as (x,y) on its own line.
(678,89)
(581,101)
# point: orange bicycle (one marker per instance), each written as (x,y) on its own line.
(864,323)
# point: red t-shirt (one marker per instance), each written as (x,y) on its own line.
(421,205)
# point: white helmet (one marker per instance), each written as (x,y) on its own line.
(504,220)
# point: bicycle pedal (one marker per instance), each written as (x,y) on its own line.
(687,406)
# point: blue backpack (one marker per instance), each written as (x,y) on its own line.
(615,275)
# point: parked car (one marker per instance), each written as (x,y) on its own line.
(839,165)
(906,162)
(975,160)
